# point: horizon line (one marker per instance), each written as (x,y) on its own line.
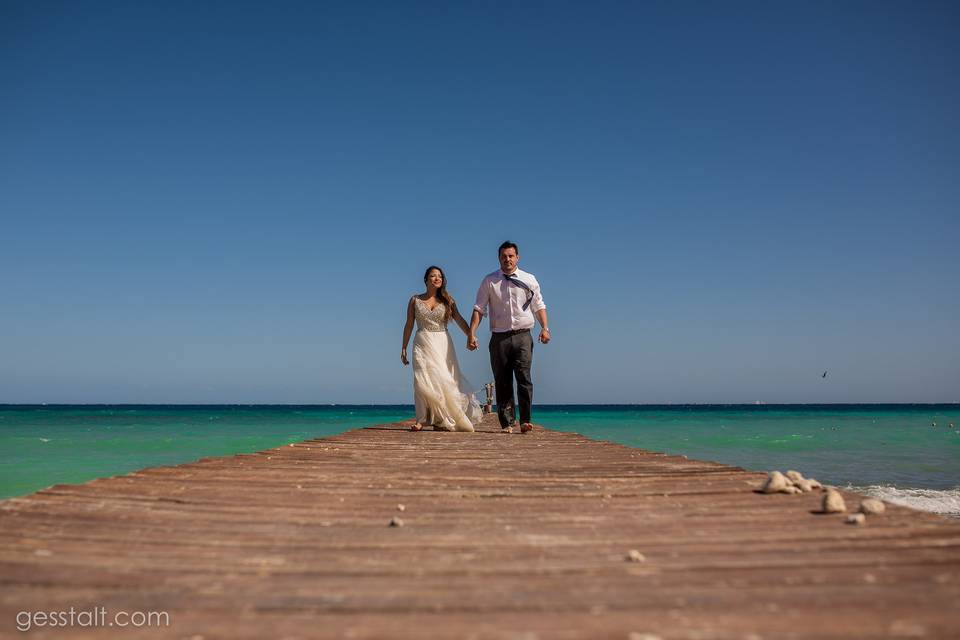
(558,404)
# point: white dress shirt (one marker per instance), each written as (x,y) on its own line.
(505,301)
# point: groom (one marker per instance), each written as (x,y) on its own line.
(513,297)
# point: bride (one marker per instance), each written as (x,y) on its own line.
(441,394)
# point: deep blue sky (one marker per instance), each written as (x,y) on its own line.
(232,202)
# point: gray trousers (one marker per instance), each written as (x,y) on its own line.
(511,354)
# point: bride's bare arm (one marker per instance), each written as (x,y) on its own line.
(407,330)
(460,321)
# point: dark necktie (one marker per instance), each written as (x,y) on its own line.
(523,285)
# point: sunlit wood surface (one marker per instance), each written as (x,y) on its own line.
(502,536)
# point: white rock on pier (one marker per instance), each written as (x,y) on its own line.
(776,483)
(872,507)
(833,502)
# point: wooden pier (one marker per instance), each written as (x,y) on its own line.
(503,536)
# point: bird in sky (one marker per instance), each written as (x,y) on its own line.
(824,375)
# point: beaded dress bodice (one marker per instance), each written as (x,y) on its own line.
(429,319)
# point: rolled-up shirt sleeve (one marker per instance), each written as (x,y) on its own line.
(537,303)
(483,298)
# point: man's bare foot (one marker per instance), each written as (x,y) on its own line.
(526,427)
(416,426)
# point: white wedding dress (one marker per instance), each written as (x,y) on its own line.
(441,393)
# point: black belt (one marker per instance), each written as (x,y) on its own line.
(512,332)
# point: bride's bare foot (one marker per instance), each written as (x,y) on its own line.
(416,426)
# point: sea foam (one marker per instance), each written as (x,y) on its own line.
(942,501)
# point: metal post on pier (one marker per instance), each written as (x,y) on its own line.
(488,404)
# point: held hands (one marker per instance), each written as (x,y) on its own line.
(544,336)
(472,342)
(403,357)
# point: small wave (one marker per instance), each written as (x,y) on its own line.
(943,501)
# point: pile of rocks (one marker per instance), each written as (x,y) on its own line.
(793,482)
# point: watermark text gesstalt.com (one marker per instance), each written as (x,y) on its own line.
(92,617)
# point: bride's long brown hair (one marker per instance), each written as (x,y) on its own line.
(442,294)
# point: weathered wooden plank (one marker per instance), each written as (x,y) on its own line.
(504,536)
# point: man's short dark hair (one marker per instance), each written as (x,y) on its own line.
(508,245)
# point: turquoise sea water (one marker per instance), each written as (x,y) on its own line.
(892,451)
(45,445)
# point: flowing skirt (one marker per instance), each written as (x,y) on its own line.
(441,393)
